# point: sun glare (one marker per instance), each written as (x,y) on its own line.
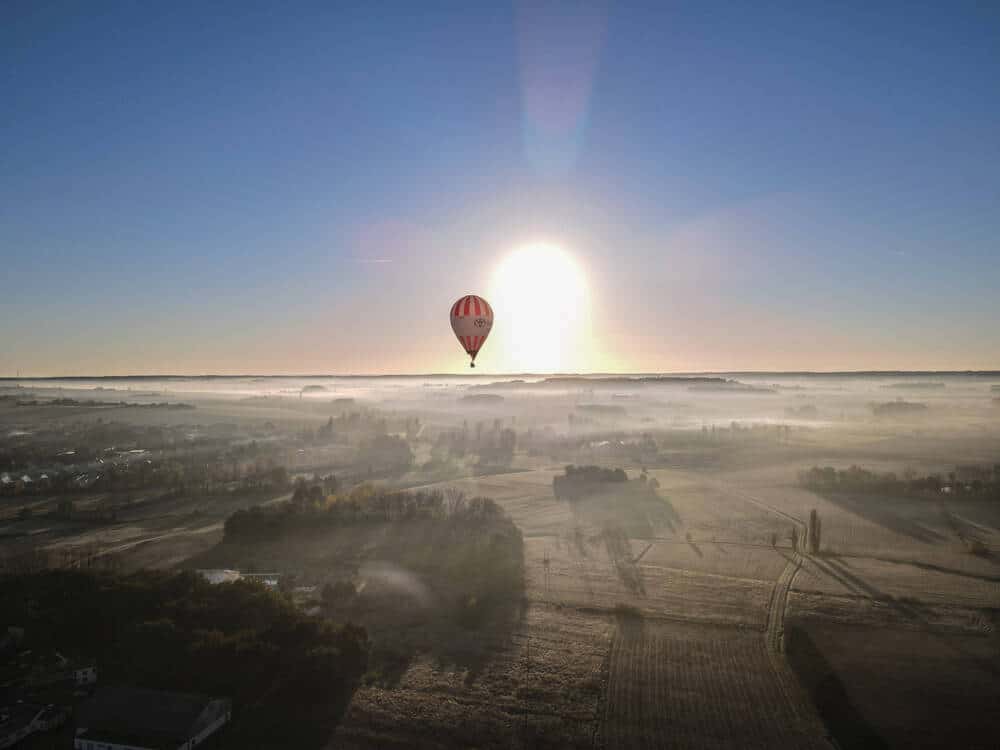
(539,295)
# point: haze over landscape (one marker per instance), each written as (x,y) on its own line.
(726,472)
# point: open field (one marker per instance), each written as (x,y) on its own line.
(685,686)
(675,617)
(725,574)
(540,687)
(890,687)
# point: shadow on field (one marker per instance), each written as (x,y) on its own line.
(843,721)
(630,622)
(619,549)
(666,513)
(836,568)
(444,631)
(942,568)
(875,510)
(910,609)
(638,508)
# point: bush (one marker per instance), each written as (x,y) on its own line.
(584,480)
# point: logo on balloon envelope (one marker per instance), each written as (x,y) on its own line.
(471,320)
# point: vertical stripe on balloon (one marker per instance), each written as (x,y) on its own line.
(475,301)
(468,301)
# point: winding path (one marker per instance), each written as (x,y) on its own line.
(774,634)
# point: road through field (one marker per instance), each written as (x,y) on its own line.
(696,614)
(798,701)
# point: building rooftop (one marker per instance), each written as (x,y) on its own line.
(142,717)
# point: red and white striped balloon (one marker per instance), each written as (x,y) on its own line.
(471,320)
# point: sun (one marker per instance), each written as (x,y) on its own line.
(539,295)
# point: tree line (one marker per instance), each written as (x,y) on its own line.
(312,509)
(980,482)
(288,674)
(577,481)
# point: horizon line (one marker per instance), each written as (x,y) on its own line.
(688,373)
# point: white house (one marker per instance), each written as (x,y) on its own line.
(84,674)
(219,575)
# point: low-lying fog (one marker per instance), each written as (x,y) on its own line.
(783,557)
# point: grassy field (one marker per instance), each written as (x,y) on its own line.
(893,687)
(680,620)
(539,686)
(684,686)
(685,668)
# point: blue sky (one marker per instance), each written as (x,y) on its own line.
(241,187)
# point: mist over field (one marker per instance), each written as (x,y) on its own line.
(705,560)
(706,449)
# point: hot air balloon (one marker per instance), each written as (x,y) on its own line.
(471,320)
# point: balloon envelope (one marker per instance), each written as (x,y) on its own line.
(471,320)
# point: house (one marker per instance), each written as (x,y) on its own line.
(54,668)
(124,718)
(50,718)
(84,673)
(219,575)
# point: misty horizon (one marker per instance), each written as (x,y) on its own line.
(514,376)
(480,374)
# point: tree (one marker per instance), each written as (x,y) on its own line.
(300,494)
(278,476)
(330,484)
(813,533)
(325,433)
(316,496)
(336,594)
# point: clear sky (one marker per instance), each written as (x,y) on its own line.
(234,187)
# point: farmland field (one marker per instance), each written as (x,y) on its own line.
(893,687)
(539,687)
(680,686)
(680,608)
